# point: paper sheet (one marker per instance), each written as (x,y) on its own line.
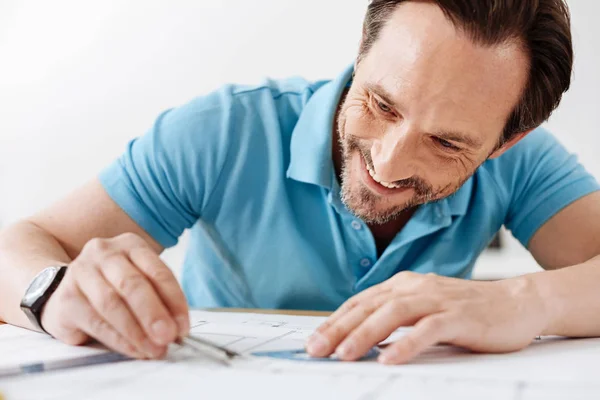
(548,369)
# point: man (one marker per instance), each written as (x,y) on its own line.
(315,195)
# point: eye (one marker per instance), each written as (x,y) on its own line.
(445,144)
(384,107)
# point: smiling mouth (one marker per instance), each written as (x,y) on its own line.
(373,174)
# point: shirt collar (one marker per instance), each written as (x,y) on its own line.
(310,148)
(458,203)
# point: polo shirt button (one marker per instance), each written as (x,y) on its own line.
(356,225)
(365,262)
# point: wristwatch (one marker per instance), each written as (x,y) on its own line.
(38,293)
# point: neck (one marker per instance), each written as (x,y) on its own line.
(385,233)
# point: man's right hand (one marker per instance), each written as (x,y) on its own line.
(120,293)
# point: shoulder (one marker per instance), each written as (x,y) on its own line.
(538,176)
(233,125)
(265,94)
(275,89)
(529,157)
(239,107)
(537,144)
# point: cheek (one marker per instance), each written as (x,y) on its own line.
(354,176)
(354,166)
(447,177)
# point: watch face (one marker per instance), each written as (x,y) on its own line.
(39,285)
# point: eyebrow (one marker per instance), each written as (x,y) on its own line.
(446,135)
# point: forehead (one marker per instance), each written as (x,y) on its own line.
(439,75)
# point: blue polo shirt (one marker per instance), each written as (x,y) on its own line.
(250,171)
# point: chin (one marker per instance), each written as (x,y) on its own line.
(370,207)
(367,198)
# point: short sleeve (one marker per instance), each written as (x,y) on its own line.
(544,179)
(165,178)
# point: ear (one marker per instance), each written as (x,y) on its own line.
(506,146)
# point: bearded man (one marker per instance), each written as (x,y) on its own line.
(372,194)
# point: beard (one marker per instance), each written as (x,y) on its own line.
(371,207)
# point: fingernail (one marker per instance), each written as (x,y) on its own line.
(161,331)
(317,345)
(183,322)
(345,350)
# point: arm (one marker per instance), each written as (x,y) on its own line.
(117,289)
(491,317)
(555,211)
(571,239)
(55,237)
(58,236)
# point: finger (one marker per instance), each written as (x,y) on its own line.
(352,303)
(165,283)
(428,331)
(161,277)
(329,335)
(391,285)
(398,312)
(141,298)
(110,306)
(96,327)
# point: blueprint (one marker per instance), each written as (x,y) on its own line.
(553,368)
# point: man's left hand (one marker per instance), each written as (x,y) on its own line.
(493,317)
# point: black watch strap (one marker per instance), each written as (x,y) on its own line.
(39,292)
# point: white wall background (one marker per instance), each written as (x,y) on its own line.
(79,79)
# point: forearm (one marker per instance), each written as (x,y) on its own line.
(25,250)
(572,297)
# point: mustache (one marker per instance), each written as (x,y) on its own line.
(421,188)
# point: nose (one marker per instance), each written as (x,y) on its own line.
(393,154)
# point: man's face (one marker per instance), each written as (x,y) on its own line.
(427,107)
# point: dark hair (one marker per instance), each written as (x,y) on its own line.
(541,27)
